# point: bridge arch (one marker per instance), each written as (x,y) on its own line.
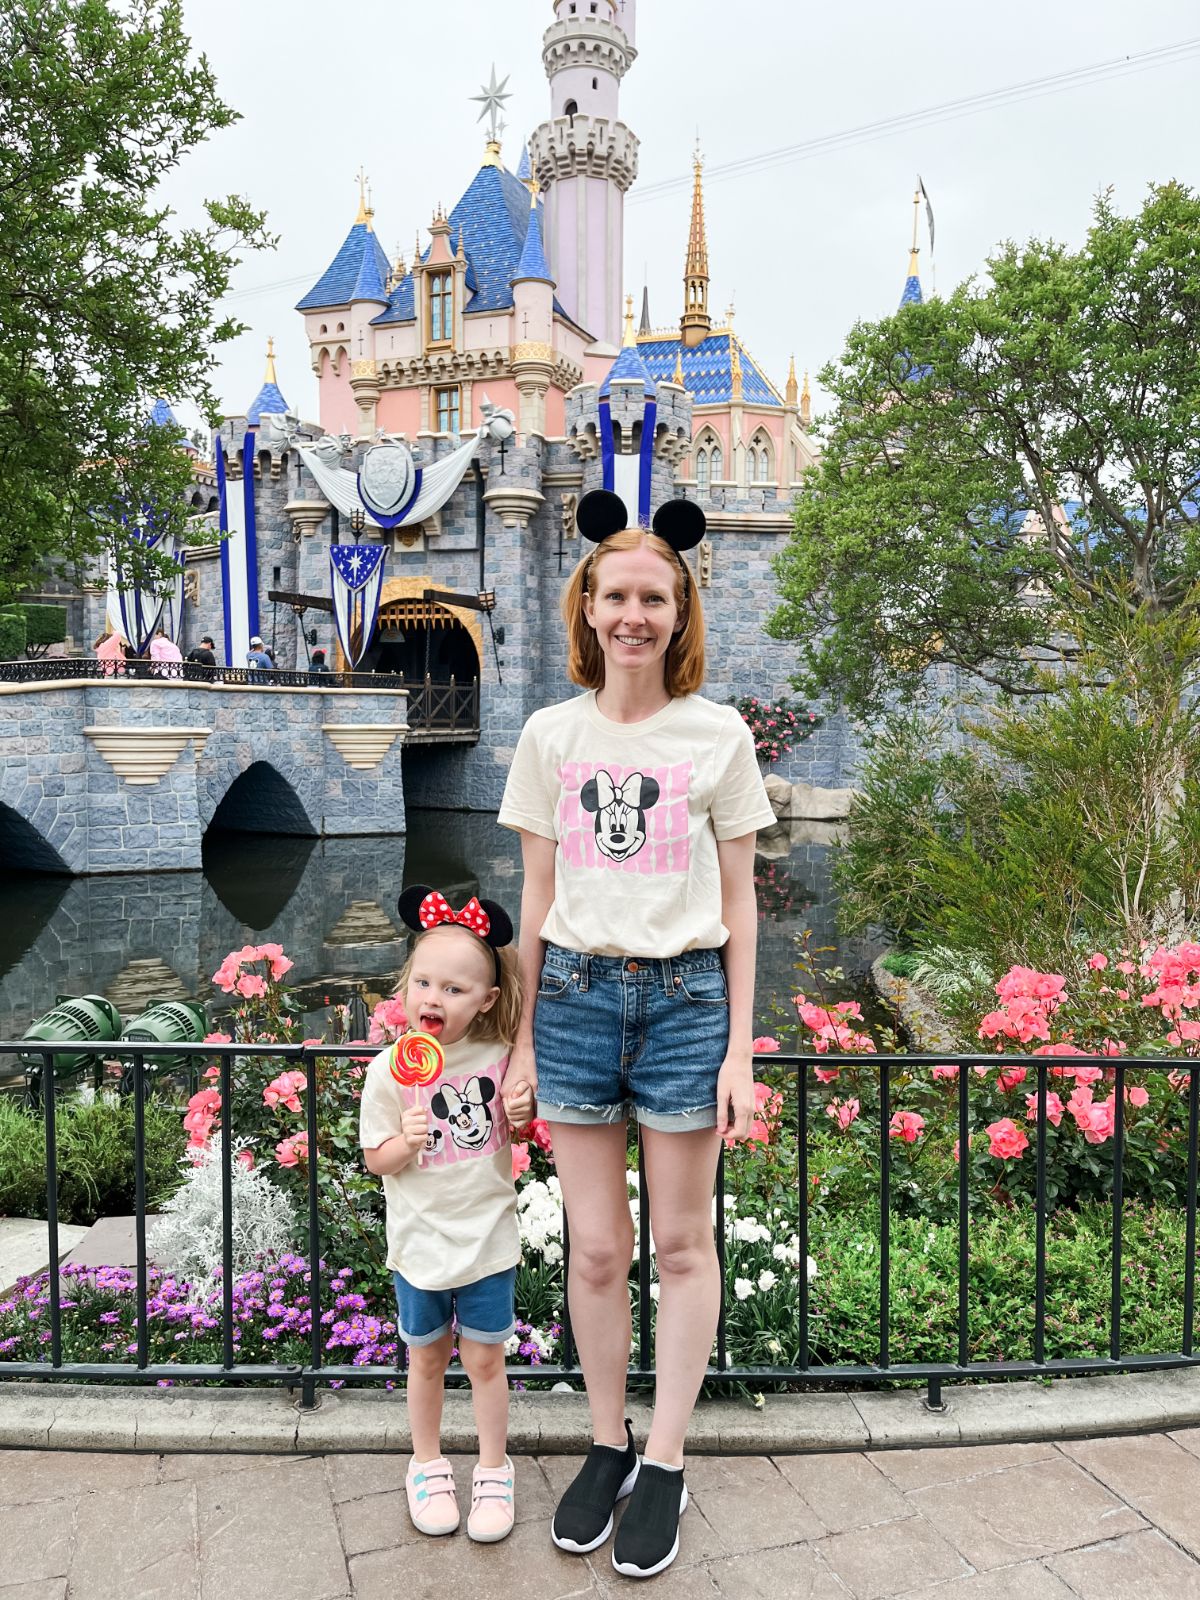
(23,848)
(259,798)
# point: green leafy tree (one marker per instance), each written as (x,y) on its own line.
(106,302)
(1065,378)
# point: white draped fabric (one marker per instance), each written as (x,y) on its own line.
(438,483)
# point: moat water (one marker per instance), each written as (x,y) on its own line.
(331,904)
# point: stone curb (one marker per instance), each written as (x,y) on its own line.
(267,1421)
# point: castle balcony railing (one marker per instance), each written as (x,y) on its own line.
(1178,1337)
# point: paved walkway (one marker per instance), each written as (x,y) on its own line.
(1103,1519)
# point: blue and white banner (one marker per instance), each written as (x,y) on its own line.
(629,476)
(239,556)
(356,572)
(133,610)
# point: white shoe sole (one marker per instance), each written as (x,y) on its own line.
(627,1568)
(623,1493)
(488,1538)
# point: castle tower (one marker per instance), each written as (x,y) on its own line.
(533,308)
(696,324)
(912,295)
(585,159)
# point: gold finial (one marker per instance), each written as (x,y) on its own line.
(364,209)
(628,337)
(491,154)
(269,375)
(735,363)
(459,253)
(677,375)
(805,403)
(790,391)
(912,260)
(696,324)
(535,189)
(417,251)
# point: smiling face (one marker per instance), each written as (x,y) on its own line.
(633,609)
(451,980)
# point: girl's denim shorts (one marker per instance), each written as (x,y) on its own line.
(619,1035)
(483,1309)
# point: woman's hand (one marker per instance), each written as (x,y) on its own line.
(520,1085)
(735,1096)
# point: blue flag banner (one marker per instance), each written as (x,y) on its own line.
(356,573)
(133,609)
(239,556)
(629,475)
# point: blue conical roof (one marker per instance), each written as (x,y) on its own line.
(268,402)
(357,272)
(533,263)
(630,368)
(161,416)
(524,167)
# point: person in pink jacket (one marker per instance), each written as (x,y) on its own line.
(110,649)
(166,651)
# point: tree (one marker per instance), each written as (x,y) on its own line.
(1003,459)
(105,302)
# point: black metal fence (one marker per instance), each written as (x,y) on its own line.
(957,1363)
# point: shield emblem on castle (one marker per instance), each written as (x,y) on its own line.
(385,479)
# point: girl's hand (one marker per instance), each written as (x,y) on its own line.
(414,1128)
(735,1097)
(520,1085)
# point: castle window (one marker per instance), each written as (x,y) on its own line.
(441,307)
(758,459)
(702,473)
(716,462)
(447,409)
(571,109)
(709,463)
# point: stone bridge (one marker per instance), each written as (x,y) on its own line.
(126,774)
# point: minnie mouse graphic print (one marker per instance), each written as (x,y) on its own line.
(636,810)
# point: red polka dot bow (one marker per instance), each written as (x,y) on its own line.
(435,908)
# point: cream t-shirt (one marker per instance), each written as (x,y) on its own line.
(636,810)
(453,1219)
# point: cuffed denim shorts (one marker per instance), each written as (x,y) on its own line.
(615,1035)
(483,1309)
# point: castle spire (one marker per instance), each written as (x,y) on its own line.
(696,324)
(677,375)
(644,325)
(627,337)
(364,209)
(269,374)
(912,295)
(805,405)
(789,393)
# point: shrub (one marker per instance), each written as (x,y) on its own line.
(44,625)
(900,963)
(95,1157)
(776,725)
(187,1235)
(12,635)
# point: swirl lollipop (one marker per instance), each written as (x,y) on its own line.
(417,1060)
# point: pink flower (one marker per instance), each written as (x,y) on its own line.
(1126,967)
(207,1101)
(1098,962)
(1054,1107)
(843,1112)
(1010,1077)
(246,1159)
(218,1038)
(388,1020)
(906,1125)
(1005,1139)
(539,1134)
(251,987)
(826,1074)
(290,1151)
(765,1046)
(1137,1096)
(945,1072)
(520,1160)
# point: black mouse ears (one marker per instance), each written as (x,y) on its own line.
(422,908)
(601,513)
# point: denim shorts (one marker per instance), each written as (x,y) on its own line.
(483,1309)
(614,1035)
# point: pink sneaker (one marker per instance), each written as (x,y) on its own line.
(492,1507)
(432,1501)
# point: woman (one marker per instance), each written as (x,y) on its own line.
(637,804)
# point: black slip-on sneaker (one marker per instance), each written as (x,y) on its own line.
(648,1538)
(584,1518)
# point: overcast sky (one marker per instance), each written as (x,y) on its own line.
(803,247)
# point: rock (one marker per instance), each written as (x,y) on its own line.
(816,804)
(779,793)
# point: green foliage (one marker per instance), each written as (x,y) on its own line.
(44,625)
(95,1158)
(12,636)
(900,963)
(1066,376)
(106,303)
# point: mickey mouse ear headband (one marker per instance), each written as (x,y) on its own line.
(422,908)
(680,523)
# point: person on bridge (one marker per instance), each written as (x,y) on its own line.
(257,656)
(452,1240)
(205,653)
(637,804)
(165,651)
(318,662)
(110,648)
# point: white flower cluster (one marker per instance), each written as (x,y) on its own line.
(543,1343)
(540,1218)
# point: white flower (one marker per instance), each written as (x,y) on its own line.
(749,1230)
(743,1288)
(654,1289)
(774,1347)
(511,1346)
(789,1253)
(812,1269)
(767,1280)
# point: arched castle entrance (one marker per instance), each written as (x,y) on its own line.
(415,636)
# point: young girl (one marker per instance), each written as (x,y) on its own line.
(443,1153)
(637,805)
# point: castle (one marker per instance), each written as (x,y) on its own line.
(514,301)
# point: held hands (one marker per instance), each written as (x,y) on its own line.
(735,1097)
(520,1085)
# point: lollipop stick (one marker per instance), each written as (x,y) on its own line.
(417,1103)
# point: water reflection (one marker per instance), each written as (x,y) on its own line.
(331,903)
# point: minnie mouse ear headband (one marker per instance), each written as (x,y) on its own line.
(422,908)
(680,523)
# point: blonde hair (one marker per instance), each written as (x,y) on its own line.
(497,1025)
(683,668)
